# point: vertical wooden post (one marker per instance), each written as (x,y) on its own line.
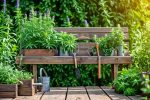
(114,71)
(34,70)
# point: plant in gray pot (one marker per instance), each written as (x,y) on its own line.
(116,38)
(37,36)
(67,43)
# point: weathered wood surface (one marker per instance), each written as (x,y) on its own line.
(69,60)
(95,93)
(8,91)
(113,95)
(77,93)
(37,96)
(34,70)
(27,88)
(89,32)
(56,93)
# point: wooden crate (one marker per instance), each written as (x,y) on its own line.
(8,90)
(27,88)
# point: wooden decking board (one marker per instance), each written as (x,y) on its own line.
(35,97)
(56,93)
(77,93)
(6,98)
(95,93)
(113,95)
(137,97)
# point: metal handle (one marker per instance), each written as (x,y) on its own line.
(42,69)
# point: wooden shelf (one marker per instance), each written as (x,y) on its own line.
(70,60)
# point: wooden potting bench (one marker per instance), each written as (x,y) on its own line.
(83,33)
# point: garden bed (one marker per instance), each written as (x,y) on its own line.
(8,90)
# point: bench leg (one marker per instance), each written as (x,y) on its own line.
(34,70)
(114,71)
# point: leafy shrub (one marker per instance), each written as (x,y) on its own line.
(128,81)
(37,32)
(67,42)
(10,76)
(146,84)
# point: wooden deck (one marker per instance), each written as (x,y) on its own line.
(77,93)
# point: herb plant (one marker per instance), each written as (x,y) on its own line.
(128,81)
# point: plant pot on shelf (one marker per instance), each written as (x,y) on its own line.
(120,50)
(26,88)
(8,90)
(63,53)
(39,52)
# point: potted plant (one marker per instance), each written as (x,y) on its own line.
(112,42)
(15,82)
(37,33)
(8,82)
(67,43)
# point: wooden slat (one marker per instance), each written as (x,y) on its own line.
(114,71)
(90,32)
(35,97)
(8,94)
(137,97)
(69,60)
(113,95)
(88,29)
(8,87)
(6,98)
(95,93)
(77,93)
(34,71)
(56,93)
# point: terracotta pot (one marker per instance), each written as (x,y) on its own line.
(39,52)
(8,90)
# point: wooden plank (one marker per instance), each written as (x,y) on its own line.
(113,95)
(69,60)
(89,29)
(137,97)
(35,97)
(95,93)
(56,93)
(8,94)
(8,87)
(89,32)
(6,98)
(77,93)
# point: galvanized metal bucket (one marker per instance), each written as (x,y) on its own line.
(45,80)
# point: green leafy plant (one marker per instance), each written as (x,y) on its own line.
(9,75)
(37,32)
(146,84)
(67,42)
(128,81)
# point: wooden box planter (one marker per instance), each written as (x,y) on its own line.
(27,88)
(8,90)
(39,52)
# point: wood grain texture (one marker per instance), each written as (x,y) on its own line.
(113,95)
(95,93)
(89,32)
(27,88)
(77,93)
(56,93)
(8,90)
(114,71)
(35,97)
(69,60)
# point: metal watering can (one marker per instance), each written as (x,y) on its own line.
(45,80)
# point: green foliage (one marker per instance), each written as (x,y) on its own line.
(146,84)
(8,46)
(37,32)
(67,42)
(128,81)
(10,76)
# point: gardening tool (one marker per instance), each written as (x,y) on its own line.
(45,80)
(77,71)
(99,61)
